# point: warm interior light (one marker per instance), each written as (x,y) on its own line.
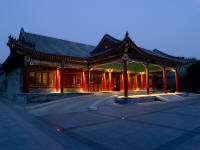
(142,73)
(83,74)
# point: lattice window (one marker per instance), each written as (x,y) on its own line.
(42,79)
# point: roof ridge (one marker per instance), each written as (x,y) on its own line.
(168,55)
(106,36)
(111,37)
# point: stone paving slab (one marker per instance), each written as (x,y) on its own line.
(145,126)
(124,134)
(189,111)
(194,106)
(155,125)
(76,119)
(119,111)
(191,143)
(12,134)
(21,131)
(70,105)
(172,120)
(137,109)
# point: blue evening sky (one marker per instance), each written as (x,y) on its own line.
(172,26)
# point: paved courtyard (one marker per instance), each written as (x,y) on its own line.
(143,126)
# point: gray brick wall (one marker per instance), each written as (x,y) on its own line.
(42,90)
(52,90)
(72,90)
(2,81)
(14,81)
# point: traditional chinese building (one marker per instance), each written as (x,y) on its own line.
(44,64)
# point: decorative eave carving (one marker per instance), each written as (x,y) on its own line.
(125,57)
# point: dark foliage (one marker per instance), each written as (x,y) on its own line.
(191,82)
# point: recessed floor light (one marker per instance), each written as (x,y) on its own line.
(123,118)
(59,129)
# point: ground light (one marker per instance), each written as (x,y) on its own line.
(123,118)
(59,129)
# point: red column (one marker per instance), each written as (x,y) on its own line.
(164,80)
(110,86)
(132,82)
(81,74)
(102,82)
(125,79)
(122,82)
(26,78)
(83,81)
(128,76)
(147,79)
(88,80)
(61,79)
(57,80)
(104,79)
(136,82)
(142,82)
(176,77)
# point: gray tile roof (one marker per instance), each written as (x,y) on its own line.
(161,54)
(115,42)
(49,45)
(59,47)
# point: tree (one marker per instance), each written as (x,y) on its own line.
(191,82)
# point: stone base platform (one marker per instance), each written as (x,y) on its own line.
(139,99)
(150,98)
(38,97)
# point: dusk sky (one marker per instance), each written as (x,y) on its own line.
(172,26)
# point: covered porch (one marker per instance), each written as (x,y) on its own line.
(117,74)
